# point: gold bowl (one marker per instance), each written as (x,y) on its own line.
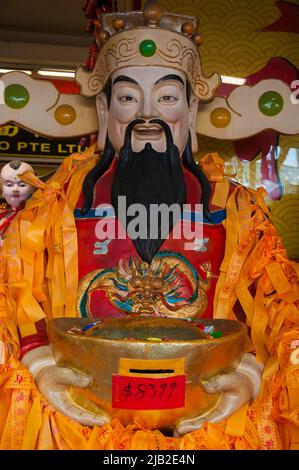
(147,370)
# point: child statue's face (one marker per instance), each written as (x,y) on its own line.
(14,190)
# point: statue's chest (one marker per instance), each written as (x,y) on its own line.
(180,282)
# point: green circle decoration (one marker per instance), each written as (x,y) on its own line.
(16,96)
(270,103)
(147,48)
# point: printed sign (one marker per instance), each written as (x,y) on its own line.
(18,143)
(148,393)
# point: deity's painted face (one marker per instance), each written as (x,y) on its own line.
(147,93)
(14,190)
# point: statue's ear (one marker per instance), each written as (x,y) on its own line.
(102,110)
(193,110)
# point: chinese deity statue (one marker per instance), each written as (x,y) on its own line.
(83,253)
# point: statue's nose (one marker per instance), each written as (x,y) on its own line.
(146,108)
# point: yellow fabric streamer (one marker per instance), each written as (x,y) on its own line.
(236,423)
(33,425)
(45,440)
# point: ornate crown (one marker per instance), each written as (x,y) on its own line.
(149,37)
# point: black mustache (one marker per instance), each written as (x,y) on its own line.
(132,124)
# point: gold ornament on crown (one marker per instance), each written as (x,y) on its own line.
(175,40)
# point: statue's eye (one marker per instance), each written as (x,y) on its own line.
(127,99)
(167,99)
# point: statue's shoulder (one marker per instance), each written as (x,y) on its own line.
(221,187)
(73,169)
(224,188)
(77,164)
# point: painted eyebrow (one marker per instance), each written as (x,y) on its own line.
(124,78)
(170,77)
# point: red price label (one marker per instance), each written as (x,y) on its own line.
(138,393)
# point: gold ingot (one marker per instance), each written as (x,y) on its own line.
(220,117)
(114,347)
(65,114)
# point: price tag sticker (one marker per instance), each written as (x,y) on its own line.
(148,393)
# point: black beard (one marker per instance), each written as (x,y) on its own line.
(149,177)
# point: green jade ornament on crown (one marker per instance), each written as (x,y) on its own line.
(147,48)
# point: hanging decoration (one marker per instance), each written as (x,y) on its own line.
(93,9)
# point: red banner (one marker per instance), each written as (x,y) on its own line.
(148,393)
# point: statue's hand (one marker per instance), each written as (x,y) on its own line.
(236,388)
(53,382)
